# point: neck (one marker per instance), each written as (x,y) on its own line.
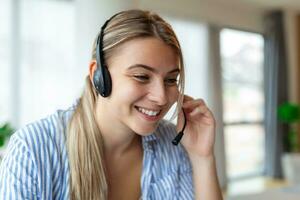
(118,144)
(117,139)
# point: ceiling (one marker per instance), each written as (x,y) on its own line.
(273,4)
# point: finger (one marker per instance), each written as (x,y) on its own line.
(204,115)
(202,109)
(194,103)
(187,98)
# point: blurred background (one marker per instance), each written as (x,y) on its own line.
(241,56)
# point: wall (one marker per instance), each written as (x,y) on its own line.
(292,22)
(218,12)
(91,14)
(292,40)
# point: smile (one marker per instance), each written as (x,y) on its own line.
(150,113)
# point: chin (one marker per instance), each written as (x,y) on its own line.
(145,130)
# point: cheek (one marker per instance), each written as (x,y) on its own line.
(126,91)
(173,95)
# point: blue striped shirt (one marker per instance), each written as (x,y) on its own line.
(36,166)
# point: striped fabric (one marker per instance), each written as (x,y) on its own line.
(36,163)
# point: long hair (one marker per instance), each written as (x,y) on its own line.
(88,179)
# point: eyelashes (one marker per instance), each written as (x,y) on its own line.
(172,81)
(142,78)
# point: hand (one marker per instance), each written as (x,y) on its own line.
(199,134)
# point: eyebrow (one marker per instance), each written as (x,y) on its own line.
(150,68)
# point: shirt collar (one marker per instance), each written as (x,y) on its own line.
(149,140)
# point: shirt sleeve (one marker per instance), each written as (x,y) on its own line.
(18,174)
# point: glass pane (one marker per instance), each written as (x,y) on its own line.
(242,74)
(243,101)
(244,149)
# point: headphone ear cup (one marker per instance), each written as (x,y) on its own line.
(102,81)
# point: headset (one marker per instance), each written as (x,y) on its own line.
(178,137)
(102,79)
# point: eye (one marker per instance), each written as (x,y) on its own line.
(142,78)
(171,81)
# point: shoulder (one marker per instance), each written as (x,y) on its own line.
(45,138)
(39,150)
(50,130)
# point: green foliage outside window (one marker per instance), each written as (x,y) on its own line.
(290,114)
(5,132)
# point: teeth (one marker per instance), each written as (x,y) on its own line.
(148,112)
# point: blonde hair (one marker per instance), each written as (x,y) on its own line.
(84,141)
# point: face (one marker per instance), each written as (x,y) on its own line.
(144,76)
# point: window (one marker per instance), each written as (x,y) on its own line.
(5,68)
(243,102)
(36,59)
(47,58)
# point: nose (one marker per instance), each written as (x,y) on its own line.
(158,93)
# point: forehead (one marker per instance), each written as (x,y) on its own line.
(151,52)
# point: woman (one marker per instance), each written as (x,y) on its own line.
(113,143)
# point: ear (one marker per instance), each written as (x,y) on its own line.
(92,68)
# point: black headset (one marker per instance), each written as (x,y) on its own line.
(178,137)
(102,79)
